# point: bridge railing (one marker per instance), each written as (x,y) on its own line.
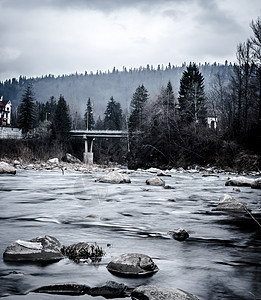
(99,133)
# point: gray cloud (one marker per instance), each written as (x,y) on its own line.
(39,37)
(102,5)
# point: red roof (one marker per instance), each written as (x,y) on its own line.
(3,103)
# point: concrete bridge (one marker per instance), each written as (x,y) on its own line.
(90,135)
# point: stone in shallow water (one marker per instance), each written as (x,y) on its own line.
(41,249)
(229,204)
(179,234)
(239,181)
(73,289)
(151,292)
(110,289)
(84,252)
(157,181)
(256,184)
(115,177)
(132,264)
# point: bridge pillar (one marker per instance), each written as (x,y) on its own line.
(88,154)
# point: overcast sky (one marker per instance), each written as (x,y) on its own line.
(39,37)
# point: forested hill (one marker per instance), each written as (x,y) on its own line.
(99,87)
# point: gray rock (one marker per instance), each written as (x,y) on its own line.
(151,292)
(41,249)
(115,177)
(229,204)
(73,289)
(256,184)
(161,173)
(133,264)
(53,161)
(179,234)
(239,181)
(16,162)
(71,159)
(5,168)
(110,289)
(157,181)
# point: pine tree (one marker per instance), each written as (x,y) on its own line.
(50,107)
(138,101)
(192,96)
(62,120)
(88,116)
(113,115)
(27,110)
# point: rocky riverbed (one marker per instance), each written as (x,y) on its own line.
(200,250)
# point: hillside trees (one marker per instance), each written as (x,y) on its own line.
(27,110)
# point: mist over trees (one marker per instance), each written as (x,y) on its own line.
(100,86)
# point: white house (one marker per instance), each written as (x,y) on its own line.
(212,122)
(5,112)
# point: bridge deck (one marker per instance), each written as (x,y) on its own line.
(99,133)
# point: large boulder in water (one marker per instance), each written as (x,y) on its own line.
(115,177)
(229,204)
(133,265)
(239,181)
(155,181)
(5,168)
(151,292)
(41,249)
(256,184)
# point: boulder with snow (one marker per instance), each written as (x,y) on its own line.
(115,177)
(152,292)
(5,168)
(40,249)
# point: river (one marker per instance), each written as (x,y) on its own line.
(220,260)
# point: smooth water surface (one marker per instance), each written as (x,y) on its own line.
(220,260)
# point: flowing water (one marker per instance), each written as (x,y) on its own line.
(220,260)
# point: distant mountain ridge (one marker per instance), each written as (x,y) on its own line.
(77,88)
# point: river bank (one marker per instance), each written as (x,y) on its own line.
(56,164)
